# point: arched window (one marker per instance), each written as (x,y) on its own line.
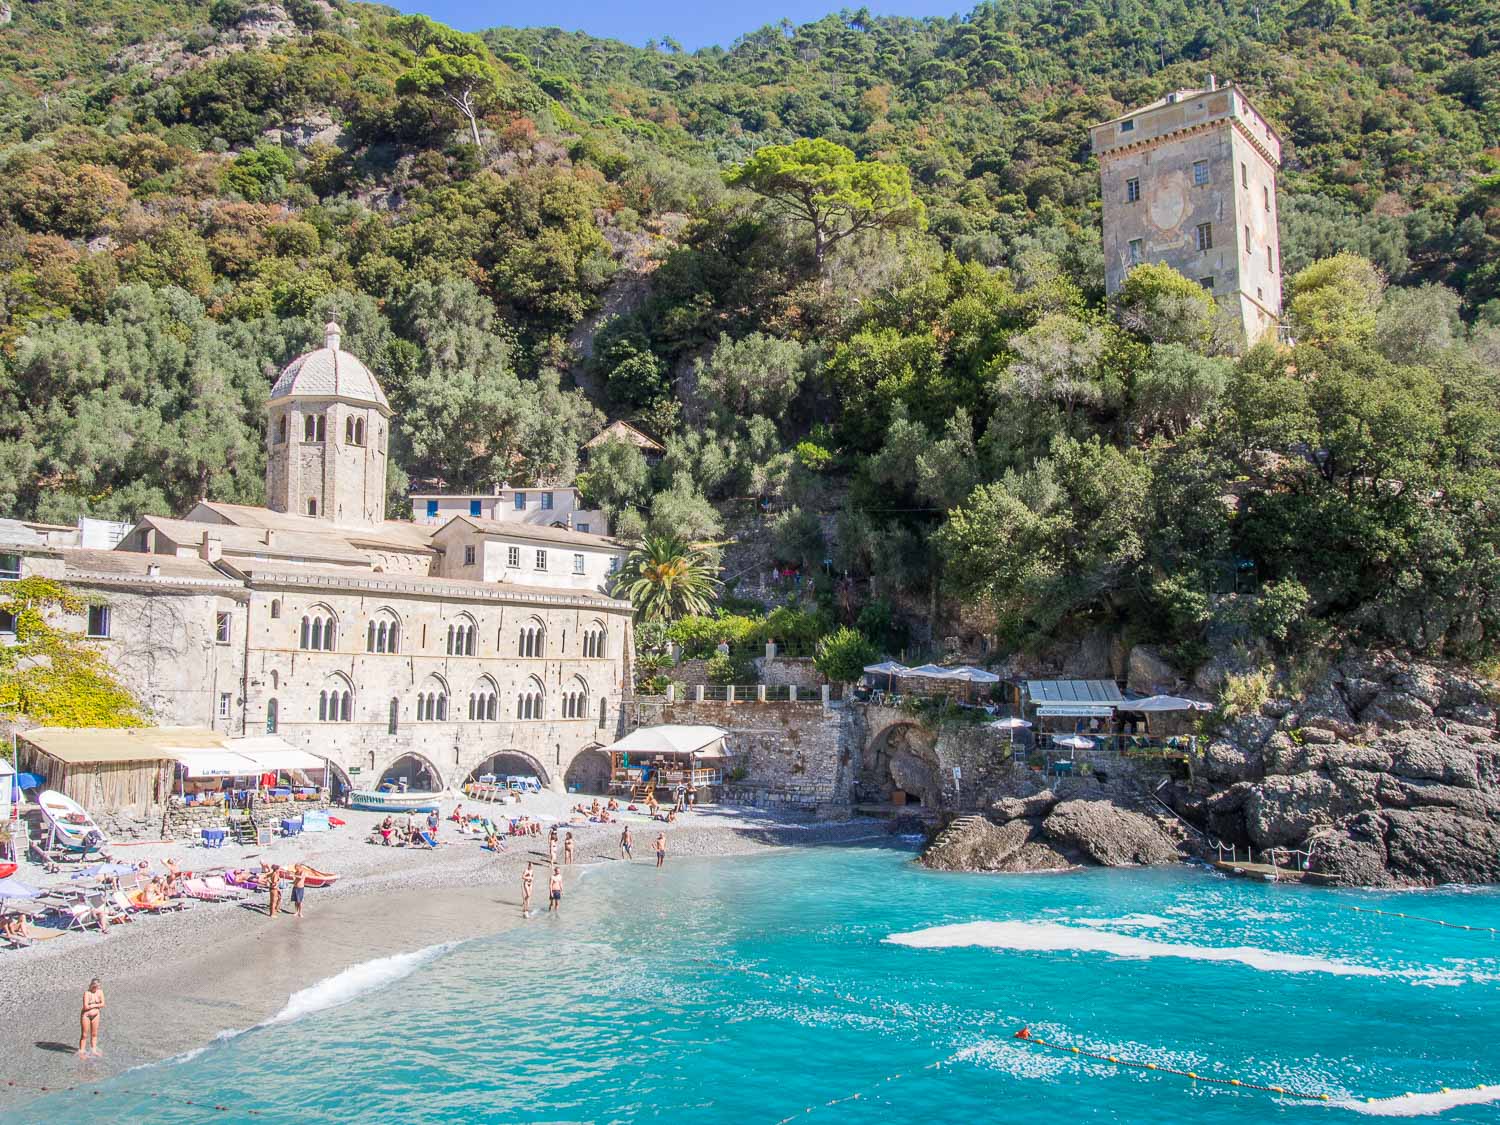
(336,700)
(273,714)
(533,638)
(382,633)
(275,609)
(594,643)
(576,699)
(432,701)
(349,431)
(531,703)
(318,631)
(312,506)
(463,636)
(359,431)
(309,428)
(395,717)
(281,430)
(322,427)
(484,700)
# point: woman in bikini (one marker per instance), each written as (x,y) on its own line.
(88,1019)
(273,908)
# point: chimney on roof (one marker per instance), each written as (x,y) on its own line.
(153,570)
(270,537)
(1213,82)
(212,548)
(332,334)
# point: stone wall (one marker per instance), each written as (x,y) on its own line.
(782,755)
(795,670)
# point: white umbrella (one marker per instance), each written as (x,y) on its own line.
(889,669)
(1011,724)
(930,672)
(1074,742)
(975,675)
(1153,704)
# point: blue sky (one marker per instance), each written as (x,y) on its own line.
(693,23)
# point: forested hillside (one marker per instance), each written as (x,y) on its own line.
(922,391)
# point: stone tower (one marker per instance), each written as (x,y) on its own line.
(1190,180)
(329,424)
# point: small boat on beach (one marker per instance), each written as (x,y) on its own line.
(71,827)
(371,800)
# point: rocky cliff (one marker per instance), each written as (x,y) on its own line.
(1384,773)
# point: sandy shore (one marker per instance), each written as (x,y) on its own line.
(174,982)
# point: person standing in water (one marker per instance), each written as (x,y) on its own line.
(88,1019)
(273,908)
(554,888)
(568,850)
(299,888)
(527,878)
(661,848)
(625,842)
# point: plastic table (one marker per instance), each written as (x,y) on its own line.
(214,837)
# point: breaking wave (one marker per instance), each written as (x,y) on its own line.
(1422,1105)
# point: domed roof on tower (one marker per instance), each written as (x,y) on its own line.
(330,372)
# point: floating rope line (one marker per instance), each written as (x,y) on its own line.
(196,1103)
(854,1097)
(1491,930)
(1026,1037)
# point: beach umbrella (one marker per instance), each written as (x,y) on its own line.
(1011,723)
(889,669)
(1074,742)
(975,675)
(1155,704)
(14,888)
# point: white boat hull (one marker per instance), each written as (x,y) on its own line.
(71,824)
(371,801)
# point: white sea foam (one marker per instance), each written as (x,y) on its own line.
(1129,921)
(1050,937)
(354,981)
(1422,1105)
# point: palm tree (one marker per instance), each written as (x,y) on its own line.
(666,577)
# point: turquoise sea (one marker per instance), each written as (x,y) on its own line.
(775,988)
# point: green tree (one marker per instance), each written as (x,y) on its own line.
(1160,304)
(453,69)
(842,655)
(666,577)
(1336,298)
(617,476)
(54,677)
(824,185)
(757,374)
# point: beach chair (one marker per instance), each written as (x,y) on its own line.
(427,838)
(197,888)
(80,916)
(114,904)
(217,885)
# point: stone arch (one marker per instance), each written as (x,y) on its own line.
(575,699)
(531,699)
(336,699)
(505,762)
(319,628)
(339,781)
(901,757)
(595,640)
(533,640)
(421,772)
(589,771)
(463,634)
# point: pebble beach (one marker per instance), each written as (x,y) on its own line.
(175,981)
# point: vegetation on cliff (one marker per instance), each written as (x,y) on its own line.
(849,268)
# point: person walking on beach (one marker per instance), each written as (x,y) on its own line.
(552,845)
(568,850)
(625,843)
(661,848)
(88,1019)
(526,881)
(554,889)
(273,877)
(299,888)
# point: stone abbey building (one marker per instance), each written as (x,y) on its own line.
(446,648)
(1190,180)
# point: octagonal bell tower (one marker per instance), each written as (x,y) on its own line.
(327,438)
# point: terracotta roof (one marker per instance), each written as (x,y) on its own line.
(252,540)
(623,430)
(535,533)
(88,562)
(330,372)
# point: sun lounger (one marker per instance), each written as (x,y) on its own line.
(197,888)
(118,906)
(216,884)
(80,916)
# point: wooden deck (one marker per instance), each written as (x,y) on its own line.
(1271,874)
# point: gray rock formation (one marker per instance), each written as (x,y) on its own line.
(974,843)
(1109,834)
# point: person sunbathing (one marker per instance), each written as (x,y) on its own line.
(14,928)
(387,830)
(614,805)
